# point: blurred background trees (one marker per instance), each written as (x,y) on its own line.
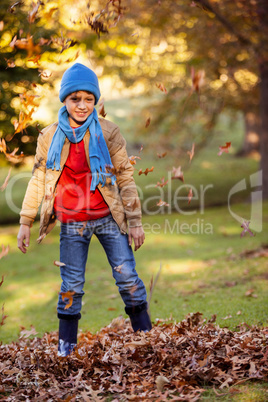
(194,60)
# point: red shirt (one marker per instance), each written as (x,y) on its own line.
(74,201)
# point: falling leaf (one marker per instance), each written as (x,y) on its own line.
(67,295)
(11,9)
(10,63)
(40,238)
(81,230)
(146,171)
(101,108)
(3,316)
(59,264)
(161,381)
(141,149)
(35,59)
(191,153)
(162,204)
(33,13)
(118,268)
(4,185)
(45,74)
(190,195)
(63,42)
(4,252)
(162,183)
(197,79)
(132,159)
(224,148)
(148,121)
(161,87)
(178,174)
(26,44)
(2,25)
(26,333)
(24,120)
(161,155)
(245,226)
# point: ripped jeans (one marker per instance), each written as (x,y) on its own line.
(74,242)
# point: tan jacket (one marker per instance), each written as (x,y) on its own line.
(122,197)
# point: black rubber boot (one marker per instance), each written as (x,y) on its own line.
(139,317)
(68,328)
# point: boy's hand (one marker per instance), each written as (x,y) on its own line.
(136,234)
(24,234)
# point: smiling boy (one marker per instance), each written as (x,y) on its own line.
(84,177)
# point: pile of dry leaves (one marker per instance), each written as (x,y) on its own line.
(171,362)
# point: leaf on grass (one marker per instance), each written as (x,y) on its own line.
(161,183)
(224,148)
(59,264)
(67,295)
(250,293)
(146,171)
(4,185)
(177,173)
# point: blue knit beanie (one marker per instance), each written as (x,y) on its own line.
(79,78)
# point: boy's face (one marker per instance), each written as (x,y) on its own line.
(79,106)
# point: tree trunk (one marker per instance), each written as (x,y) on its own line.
(264,126)
(252,134)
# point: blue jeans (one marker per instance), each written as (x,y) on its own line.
(74,243)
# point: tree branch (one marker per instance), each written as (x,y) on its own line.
(206,5)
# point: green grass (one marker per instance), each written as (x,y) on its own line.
(197,270)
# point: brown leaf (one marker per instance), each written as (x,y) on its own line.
(4,252)
(250,293)
(4,185)
(190,195)
(26,333)
(148,121)
(101,108)
(178,173)
(161,87)
(59,264)
(67,295)
(162,183)
(118,268)
(191,153)
(224,148)
(197,79)
(33,13)
(81,230)
(162,204)
(161,381)
(132,159)
(146,171)
(161,155)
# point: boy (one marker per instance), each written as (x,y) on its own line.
(84,177)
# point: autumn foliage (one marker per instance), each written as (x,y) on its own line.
(171,362)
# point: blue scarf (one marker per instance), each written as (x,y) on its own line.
(98,152)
